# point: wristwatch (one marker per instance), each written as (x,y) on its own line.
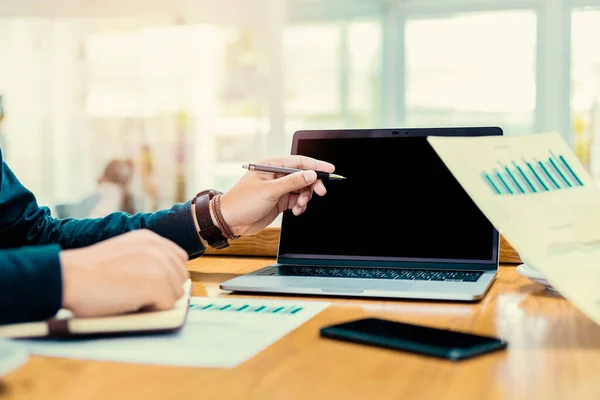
(208,230)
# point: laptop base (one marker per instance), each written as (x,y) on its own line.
(380,288)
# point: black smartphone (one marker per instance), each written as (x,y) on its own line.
(442,343)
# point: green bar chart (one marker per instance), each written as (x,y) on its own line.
(530,176)
(245,308)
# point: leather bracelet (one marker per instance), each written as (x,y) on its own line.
(216,202)
(211,233)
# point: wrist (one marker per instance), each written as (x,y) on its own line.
(70,271)
(229,215)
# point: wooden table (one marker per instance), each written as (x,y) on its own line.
(554,353)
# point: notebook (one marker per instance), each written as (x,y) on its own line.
(399,226)
(65,324)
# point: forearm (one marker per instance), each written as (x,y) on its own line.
(176,224)
(30,284)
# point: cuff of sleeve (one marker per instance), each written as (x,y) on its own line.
(36,277)
(177,224)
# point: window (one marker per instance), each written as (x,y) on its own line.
(472,69)
(331,75)
(585,81)
(311,77)
(364,47)
(193,100)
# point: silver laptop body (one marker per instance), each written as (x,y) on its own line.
(400,225)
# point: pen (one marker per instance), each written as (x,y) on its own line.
(283,170)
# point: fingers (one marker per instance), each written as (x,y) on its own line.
(176,254)
(292,183)
(170,270)
(292,204)
(302,202)
(297,210)
(304,197)
(301,162)
(319,188)
(292,200)
(175,264)
(179,259)
(180,272)
(167,275)
(298,202)
(150,238)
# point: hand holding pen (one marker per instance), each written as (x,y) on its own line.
(257,199)
(267,169)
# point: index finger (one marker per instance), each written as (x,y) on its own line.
(302,162)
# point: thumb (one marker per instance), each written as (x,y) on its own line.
(294,182)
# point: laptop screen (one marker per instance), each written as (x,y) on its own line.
(398,203)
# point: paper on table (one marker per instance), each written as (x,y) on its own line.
(535,191)
(219,332)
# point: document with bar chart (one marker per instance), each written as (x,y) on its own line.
(528,176)
(219,333)
(539,196)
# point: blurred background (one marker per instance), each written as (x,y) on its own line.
(138,104)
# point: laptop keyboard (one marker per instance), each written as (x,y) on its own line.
(374,273)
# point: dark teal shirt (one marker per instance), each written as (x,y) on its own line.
(30,240)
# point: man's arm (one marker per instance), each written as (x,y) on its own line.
(24,223)
(31,281)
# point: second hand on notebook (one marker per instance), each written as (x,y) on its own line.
(268,169)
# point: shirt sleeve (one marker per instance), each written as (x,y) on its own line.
(30,284)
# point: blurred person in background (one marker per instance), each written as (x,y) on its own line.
(114,189)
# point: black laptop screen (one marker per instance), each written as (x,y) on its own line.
(398,203)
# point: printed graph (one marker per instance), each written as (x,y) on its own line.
(532,176)
(246,308)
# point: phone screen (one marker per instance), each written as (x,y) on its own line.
(415,338)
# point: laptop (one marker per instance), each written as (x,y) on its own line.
(399,226)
